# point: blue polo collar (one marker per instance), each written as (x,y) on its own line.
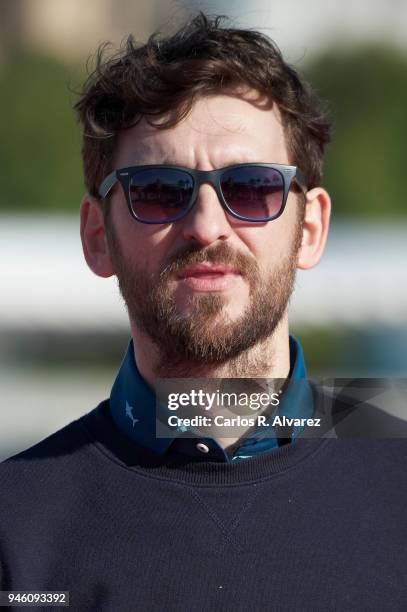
(133,409)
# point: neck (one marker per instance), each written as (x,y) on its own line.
(268,359)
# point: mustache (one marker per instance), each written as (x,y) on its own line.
(220,254)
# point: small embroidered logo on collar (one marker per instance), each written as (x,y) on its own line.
(129,413)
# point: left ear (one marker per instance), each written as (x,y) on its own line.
(315,228)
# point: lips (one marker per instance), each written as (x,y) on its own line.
(208,277)
(206,271)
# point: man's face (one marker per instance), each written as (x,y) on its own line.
(197,317)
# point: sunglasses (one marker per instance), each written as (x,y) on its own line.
(166,193)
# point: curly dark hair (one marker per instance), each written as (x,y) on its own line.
(167,74)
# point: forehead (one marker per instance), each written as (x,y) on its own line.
(219,129)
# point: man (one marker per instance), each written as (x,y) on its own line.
(203,160)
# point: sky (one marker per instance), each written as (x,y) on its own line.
(303,27)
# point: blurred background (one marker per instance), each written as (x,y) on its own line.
(63,331)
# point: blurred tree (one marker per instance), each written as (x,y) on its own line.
(366,90)
(40,141)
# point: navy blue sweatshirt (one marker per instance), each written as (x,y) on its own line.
(317,525)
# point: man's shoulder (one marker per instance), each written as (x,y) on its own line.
(47,460)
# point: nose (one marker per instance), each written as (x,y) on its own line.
(207,221)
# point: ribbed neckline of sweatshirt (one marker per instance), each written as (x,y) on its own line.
(116,447)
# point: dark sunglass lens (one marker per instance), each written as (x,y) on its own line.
(160,194)
(253,192)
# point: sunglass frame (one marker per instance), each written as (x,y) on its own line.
(290,174)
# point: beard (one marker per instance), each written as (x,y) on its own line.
(203,336)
